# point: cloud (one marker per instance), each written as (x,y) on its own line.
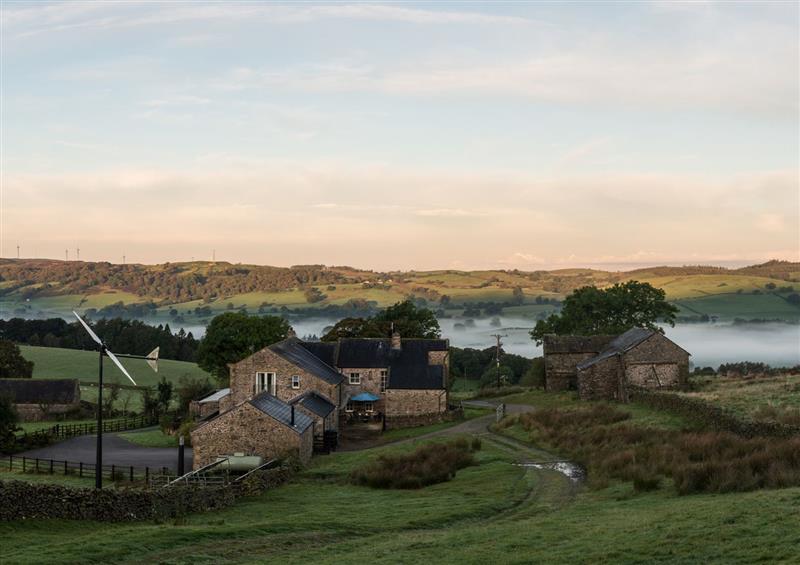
(287,212)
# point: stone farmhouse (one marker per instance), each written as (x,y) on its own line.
(38,399)
(603,367)
(284,396)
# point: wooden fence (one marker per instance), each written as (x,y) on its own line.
(60,431)
(127,473)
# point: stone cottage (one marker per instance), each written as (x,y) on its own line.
(39,399)
(605,367)
(396,381)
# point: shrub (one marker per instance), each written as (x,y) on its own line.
(427,465)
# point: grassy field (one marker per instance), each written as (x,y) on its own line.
(749,396)
(492,512)
(747,306)
(58,363)
(150,438)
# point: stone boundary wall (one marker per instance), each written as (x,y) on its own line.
(20,500)
(396,422)
(711,415)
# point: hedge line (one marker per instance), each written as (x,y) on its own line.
(20,500)
(711,415)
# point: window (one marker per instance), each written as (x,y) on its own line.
(384,379)
(265,382)
(355,378)
(349,407)
(295,381)
(368,407)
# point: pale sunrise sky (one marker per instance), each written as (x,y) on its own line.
(402,135)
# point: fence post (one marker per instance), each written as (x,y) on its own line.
(131,473)
(80,469)
(37,465)
(23,463)
(65,468)
(112,472)
(147,475)
(51,466)
(10,462)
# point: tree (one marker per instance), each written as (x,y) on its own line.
(405,318)
(191,389)
(8,420)
(12,364)
(614,310)
(232,336)
(518,296)
(164,394)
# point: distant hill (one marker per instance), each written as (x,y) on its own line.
(188,292)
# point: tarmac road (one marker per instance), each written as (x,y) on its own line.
(116,451)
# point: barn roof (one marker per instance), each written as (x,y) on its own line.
(575,343)
(281,411)
(317,404)
(294,351)
(619,345)
(39,391)
(216,396)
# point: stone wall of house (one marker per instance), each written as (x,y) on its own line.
(600,381)
(415,402)
(246,429)
(370,382)
(243,378)
(37,412)
(657,362)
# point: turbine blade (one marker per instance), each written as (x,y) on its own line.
(121,368)
(88,329)
(152,359)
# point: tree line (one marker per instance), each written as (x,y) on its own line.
(126,336)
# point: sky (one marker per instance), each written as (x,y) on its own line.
(449,135)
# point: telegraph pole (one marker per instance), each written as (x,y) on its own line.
(497,356)
(66,255)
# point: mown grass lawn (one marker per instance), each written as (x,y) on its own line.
(150,438)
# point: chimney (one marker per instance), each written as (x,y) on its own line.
(397,343)
(292,422)
(291,333)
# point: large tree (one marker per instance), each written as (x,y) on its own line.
(593,311)
(405,318)
(12,364)
(232,336)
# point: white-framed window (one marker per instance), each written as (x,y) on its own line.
(368,407)
(350,407)
(384,379)
(266,382)
(295,381)
(355,378)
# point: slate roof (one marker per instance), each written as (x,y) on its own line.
(575,343)
(408,367)
(36,391)
(325,351)
(216,396)
(281,411)
(294,351)
(317,404)
(619,345)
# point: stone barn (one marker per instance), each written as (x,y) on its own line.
(40,399)
(563,354)
(603,367)
(639,357)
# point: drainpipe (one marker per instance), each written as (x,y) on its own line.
(292,415)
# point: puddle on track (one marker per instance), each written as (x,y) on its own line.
(572,471)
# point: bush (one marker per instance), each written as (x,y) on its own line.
(427,465)
(534,376)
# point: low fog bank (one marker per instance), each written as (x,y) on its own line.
(710,344)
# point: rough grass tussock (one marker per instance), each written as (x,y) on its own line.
(599,438)
(427,465)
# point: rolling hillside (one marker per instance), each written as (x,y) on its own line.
(188,293)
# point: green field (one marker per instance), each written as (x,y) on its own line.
(749,396)
(747,306)
(492,512)
(58,363)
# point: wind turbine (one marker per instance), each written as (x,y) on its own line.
(152,361)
